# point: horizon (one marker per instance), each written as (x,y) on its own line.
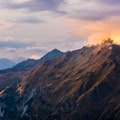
(32,28)
(37,57)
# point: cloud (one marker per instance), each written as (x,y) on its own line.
(87,10)
(8,39)
(84,22)
(92,10)
(108,2)
(34,56)
(35,5)
(5,25)
(12,50)
(30,20)
(14,44)
(20,1)
(97,31)
(36,50)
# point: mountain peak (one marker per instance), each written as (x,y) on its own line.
(55,50)
(55,53)
(107,42)
(105,45)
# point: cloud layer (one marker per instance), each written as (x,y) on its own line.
(30,28)
(35,5)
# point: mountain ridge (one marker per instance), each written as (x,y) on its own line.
(6,63)
(21,69)
(82,84)
(107,54)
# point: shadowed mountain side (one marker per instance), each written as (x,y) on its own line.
(5,64)
(13,75)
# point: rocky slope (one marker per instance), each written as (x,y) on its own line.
(80,85)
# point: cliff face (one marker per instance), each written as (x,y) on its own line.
(81,85)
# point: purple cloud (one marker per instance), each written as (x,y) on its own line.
(14,44)
(31,20)
(36,5)
(112,2)
(95,10)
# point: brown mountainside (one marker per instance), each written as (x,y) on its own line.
(81,85)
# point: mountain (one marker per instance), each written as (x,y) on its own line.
(5,64)
(80,85)
(14,74)
(55,53)
(18,59)
(31,63)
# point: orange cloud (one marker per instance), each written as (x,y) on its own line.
(5,25)
(35,57)
(96,31)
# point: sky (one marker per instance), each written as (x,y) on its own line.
(31,28)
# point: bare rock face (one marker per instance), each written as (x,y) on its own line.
(80,85)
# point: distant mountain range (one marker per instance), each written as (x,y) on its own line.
(18,59)
(5,63)
(80,85)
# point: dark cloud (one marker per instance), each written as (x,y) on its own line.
(36,51)
(11,50)
(39,50)
(90,15)
(36,5)
(14,44)
(97,10)
(101,9)
(99,14)
(112,2)
(31,20)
